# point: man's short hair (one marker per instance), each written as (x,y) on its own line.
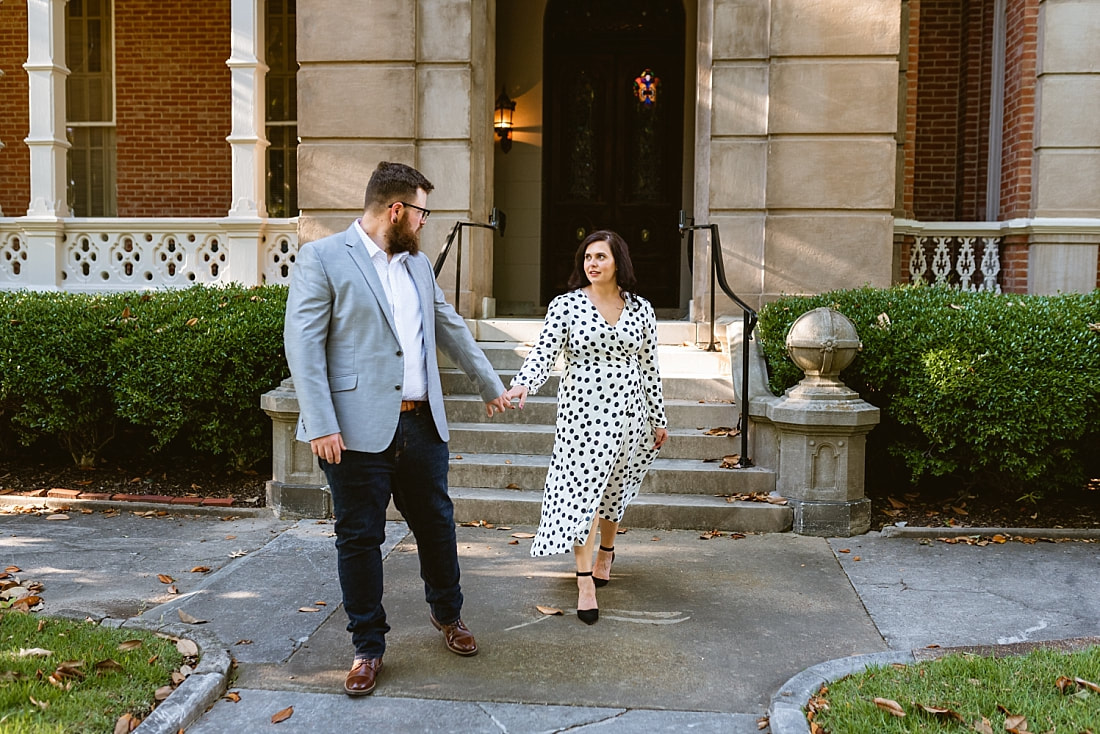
(392,182)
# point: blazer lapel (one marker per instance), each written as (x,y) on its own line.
(358,251)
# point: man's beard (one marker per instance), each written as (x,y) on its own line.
(402,238)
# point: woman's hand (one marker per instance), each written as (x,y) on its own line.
(519,391)
(662,436)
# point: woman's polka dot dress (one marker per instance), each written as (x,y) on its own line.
(609,407)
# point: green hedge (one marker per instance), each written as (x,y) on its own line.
(991,391)
(185,367)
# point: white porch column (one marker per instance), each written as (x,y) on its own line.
(247,142)
(247,137)
(46,72)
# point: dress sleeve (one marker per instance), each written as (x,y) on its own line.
(552,340)
(651,371)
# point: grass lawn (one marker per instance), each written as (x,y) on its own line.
(61,675)
(1044,691)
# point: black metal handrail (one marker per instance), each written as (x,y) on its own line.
(718,273)
(497,221)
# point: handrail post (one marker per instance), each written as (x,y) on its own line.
(458,273)
(711,346)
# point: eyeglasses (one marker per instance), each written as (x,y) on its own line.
(424,213)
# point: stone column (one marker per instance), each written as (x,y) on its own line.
(46,73)
(297,488)
(1067,151)
(247,142)
(821,426)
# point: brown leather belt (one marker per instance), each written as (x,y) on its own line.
(412,404)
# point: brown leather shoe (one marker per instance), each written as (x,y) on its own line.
(360,679)
(458,638)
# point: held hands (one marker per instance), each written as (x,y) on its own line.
(662,436)
(328,447)
(519,391)
(499,405)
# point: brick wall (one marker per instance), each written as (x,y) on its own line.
(951,106)
(173,108)
(1014,257)
(15,176)
(1021,39)
(912,74)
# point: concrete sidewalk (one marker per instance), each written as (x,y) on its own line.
(693,634)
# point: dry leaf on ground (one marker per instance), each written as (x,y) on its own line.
(282,715)
(188,619)
(890,706)
(548,610)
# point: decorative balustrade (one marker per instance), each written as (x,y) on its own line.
(966,255)
(114,254)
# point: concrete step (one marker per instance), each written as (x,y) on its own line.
(663,511)
(538,438)
(675,386)
(540,409)
(685,360)
(527,330)
(667,476)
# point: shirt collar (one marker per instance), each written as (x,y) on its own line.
(372,249)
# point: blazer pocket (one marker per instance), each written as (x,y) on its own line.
(340,383)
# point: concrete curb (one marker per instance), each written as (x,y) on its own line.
(785,710)
(199,691)
(892,531)
(56,503)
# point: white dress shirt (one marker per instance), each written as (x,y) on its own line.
(405,306)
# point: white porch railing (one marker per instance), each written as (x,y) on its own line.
(115,254)
(966,255)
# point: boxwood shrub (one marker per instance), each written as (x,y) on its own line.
(185,368)
(989,391)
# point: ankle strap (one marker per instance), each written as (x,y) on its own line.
(607,550)
(584,573)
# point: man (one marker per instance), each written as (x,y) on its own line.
(363,319)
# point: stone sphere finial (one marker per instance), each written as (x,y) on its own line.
(822,342)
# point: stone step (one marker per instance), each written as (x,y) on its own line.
(675,386)
(527,330)
(540,409)
(678,360)
(667,476)
(538,438)
(658,511)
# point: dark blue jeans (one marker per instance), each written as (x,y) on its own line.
(413,470)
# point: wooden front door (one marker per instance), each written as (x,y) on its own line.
(613,152)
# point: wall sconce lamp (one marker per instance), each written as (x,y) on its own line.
(502,120)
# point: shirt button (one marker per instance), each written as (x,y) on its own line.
(396,387)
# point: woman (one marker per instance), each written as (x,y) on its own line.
(611,417)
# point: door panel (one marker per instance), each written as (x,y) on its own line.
(611,160)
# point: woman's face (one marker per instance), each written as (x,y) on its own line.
(599,264)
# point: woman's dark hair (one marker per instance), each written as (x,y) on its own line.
(624,269)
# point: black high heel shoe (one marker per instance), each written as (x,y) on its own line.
(604,582)
(588,616)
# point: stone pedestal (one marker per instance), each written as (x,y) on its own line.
(820,428)
(297,488)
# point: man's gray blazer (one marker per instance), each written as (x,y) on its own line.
(342,347)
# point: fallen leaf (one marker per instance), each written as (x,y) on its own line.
(282,715)
(58,516)
(845,550)
(896,504)
(762,723)
(320,604)
(188,619)
(308,609)
(856,558)
(34,652)
(187,648)
(165,578)
(244,641)
(513,542)
(129,645)
(548,610)
(162,693)
(173,590)
(982,726)
(232,696)
(939,712)
(192,321)
(890,706)
(507,461)
(1017,724)
(40,704)
(1065,685)
(523,535)
(719,431)
(513,486)
(1085,684)
(12,569)
(108,664)
(200,569)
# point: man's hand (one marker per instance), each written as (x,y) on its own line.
(662,436)
(328,447)
(519,391)
(499,405)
